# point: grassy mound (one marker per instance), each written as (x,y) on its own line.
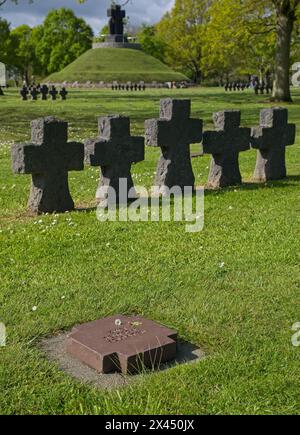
(108,64)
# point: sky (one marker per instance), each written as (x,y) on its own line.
(93,11)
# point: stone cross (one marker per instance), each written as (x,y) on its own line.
(114,150)
(173,132)
(34,94)
(44,92)
(3,76)
(122,344)
(63,94)
(271,139)
(53,92)
(116,24)
(296,75)
(225,144)
(24,93)
(48,158)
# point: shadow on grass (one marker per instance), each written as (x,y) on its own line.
(246,186)
(251,185)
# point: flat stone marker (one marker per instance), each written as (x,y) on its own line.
(114,150)
(48,158)
(225,144)
(122,344)
(173,132)
(271,139)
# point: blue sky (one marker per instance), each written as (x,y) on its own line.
(93,11)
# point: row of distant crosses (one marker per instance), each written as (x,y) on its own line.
(49,157)
(43,91)
(259,87)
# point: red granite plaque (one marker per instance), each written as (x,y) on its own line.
(123,344)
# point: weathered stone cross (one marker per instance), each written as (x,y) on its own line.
(173,132)
(49,158)
(114,150)
(225,144)
(271,139)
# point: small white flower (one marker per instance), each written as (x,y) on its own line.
(34,308)
(63,297)
(222,265)
(230,208)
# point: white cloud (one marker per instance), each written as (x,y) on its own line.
(93,11)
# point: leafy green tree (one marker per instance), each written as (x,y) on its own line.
(182,31)
(147,36)
(23,50)
(286,12)
(101,36)
(5,40)
(63,38)
(269,27)
(236,40)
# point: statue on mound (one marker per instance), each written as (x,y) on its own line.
(116,24)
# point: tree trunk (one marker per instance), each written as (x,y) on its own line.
(197,76)
(281,91)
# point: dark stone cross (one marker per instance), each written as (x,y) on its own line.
(63,94)
(173,132)
(271,139)
(114,150)
(49,158)
(53,92)
(44,92)
(116,22)
(24,93)
(225,144)
(34,94)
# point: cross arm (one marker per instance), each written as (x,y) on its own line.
(241,141)
(263,138)
(290,134)
(28,159)
(213,142)
(98,152)
(194,131)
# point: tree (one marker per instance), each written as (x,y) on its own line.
(269,25)
(4,41)
(286,16)
(182,30)
(23,50)
(236,40)
(151,43)
(63,38)
(15,1)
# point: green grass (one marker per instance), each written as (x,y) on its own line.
(241,315)
(108,64)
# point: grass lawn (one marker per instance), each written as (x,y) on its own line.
(108,64)
(75,269)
